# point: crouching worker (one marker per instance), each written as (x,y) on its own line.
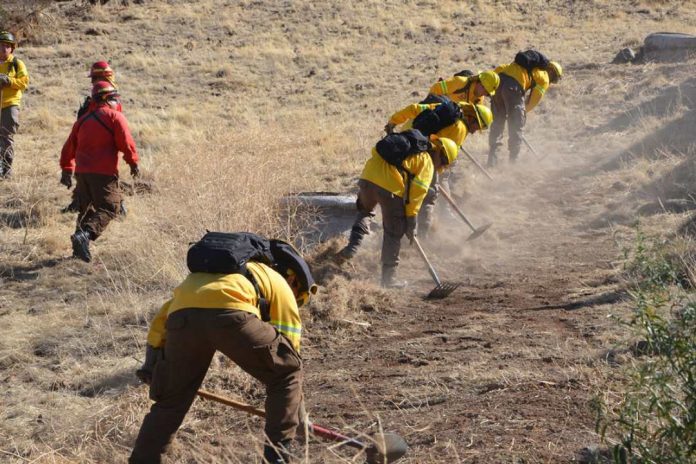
(397,178)
(91,152)
(249,312)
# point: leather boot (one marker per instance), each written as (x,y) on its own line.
(356,237)
(80,246)
(277,453)
(389,278)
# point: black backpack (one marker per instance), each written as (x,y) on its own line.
(395,148)
(443,115)
(228,253)
(82,110)
(531,59)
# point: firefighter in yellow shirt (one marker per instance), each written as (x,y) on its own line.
(399,194)
(14,79)
(469,89)
(511,104)
(254,320)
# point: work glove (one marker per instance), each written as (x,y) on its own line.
(411,226)
(152,355)
(4,80)
(66,178)
(389,128)
(135,171)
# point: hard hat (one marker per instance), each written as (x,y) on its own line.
(101,69)
(484,116)
(490,81)
(8,37)
(449,147)
(102,90)
(556,69)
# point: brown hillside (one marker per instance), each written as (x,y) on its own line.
(236,103)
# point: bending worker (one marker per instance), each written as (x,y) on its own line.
(468,119)
(400,194)
(469,89)
(224,312)
(510,104)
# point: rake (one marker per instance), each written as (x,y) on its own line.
(442,289)
(477,232)
(385,448)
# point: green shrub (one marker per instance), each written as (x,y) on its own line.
(656,420)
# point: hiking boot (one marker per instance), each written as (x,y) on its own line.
(389,279)
(122,210)
(277,453)
(71,208)
(348,252)
(80,246)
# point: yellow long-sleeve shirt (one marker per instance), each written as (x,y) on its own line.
(456,132)
(387,176)
(19,81)
(234,291)
(455,88)
(539,82)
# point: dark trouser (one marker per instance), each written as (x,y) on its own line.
(193,336)
(507,105)
(99,201)
(9,124)
(426,215)
(393,220)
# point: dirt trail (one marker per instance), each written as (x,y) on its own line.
(502,370)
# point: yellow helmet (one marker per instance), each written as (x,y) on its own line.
(556,70)
(484,116)
(450,148)
(490,81)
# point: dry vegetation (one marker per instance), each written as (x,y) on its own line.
(234,104)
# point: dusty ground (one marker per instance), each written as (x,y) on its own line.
(234,106)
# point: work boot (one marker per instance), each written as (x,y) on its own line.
(80,246)
(277,453)
(356,237)
(122,210)
(492,161)
(389,278)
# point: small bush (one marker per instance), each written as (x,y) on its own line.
(655,421)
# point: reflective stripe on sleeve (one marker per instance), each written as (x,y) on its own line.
(443,86)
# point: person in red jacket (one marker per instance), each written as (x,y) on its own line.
(91,153)
(100,71)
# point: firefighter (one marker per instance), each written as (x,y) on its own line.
(91,153)
(14,80)
(469,89)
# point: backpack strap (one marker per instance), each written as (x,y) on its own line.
(93,114)
(264,305)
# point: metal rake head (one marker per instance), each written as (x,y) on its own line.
(443,290)
(478,232)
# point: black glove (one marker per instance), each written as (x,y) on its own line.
(152,355)
(135,171)
(389,128)
(4,80)
(411,226)
(66,178)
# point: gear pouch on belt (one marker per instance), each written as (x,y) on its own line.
(279,355)
(159,379)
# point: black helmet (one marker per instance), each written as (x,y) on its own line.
(8,37)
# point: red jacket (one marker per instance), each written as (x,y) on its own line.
(94,143)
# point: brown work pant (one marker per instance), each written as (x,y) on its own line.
(507,105)
(193,336)
(99,201)
(9,124)
(393,219)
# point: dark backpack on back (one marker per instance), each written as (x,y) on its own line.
(396,147)
(531,59)
(82,110)
(228,253)
(445,114)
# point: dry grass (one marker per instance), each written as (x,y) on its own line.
(233,105)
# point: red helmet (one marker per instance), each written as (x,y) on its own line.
(101,69)
(103,90)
